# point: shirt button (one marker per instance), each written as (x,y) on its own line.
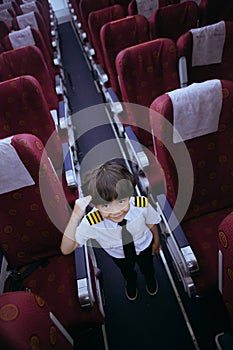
(110,247)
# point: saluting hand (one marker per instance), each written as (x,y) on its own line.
(80,206)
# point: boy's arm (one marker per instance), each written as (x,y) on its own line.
(69,243)
(156,243)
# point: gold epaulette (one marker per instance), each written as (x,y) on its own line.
(141,201)
(94,217)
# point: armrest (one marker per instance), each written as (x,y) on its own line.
(3,271)
(183,75)
(102,75)
(114,109)
(185,261)
(112,99)
(53,113)
(84,286)
(58,85)
(224,341)
(56,59)
(69,168)
(135,148)
(89,50)
(63,115)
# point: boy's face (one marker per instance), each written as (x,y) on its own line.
(115,210)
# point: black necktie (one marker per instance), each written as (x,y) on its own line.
(127,241)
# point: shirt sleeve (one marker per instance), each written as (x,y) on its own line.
(152,216)
(83,232)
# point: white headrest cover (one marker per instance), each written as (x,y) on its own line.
(13,174)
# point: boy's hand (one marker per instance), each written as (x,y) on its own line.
(156,248)
(80,205)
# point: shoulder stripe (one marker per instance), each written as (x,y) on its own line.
(94,217)
(141,201)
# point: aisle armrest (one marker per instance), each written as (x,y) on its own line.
(135,149)
(101,74)
(183,256)
(89,50)
(3,271)
(63,114)
(183,74)
(84,285)
(69,168)
(113,100)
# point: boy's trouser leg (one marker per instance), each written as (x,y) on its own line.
(145,262)
(127,270)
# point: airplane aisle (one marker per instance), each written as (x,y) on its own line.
(149,322)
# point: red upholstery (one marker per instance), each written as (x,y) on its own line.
(28,60)
(146,71)
(39,42)
(25,323)
(37,231)
(86,7)
(23,109)
(96,20)
(223,70)
(174,20)
(225,245)
(212,158)
(43,9)
(116,36)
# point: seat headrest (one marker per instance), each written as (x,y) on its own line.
(13,173)
(21,37)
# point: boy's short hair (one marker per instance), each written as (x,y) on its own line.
(108,182)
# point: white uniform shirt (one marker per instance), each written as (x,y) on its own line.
(108,233)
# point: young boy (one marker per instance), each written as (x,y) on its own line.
(110,188)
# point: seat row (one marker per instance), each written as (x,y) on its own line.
(38,189)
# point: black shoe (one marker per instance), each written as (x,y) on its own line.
(131,292)
(152,286)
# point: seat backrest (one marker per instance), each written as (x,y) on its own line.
(174,20)
(29,60)
(146,71)
(86,7)
(208,52)
(23,109)
(28,36)
(96,20)
(205,122)
(18,309)
(28,181)
(116,36)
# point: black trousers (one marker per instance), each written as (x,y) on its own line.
(144,261)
